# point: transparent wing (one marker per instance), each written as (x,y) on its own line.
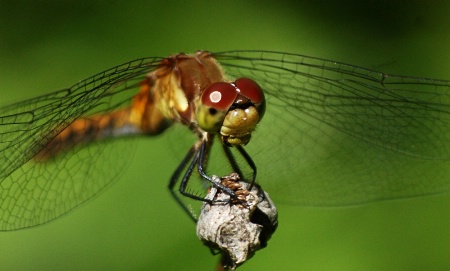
(336,134)
(333,135)
(33,193)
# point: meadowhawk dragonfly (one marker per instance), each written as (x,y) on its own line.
(333,134)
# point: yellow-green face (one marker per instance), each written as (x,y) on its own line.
(231,109)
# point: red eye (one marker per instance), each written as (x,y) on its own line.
(219,96)
(250,89)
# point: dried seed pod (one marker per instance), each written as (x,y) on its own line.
(237,227)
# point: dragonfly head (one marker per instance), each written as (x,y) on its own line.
(231,109)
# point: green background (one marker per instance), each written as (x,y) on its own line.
(135,225)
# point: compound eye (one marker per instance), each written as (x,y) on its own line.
(215,102)
(219,96)
(250,89)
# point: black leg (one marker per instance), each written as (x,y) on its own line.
(197,156)
(176,176)
(201,162)
(250,163)
(236,166)
(232,160)
(191,158)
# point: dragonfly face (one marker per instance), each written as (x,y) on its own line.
(333,134)
(234,109)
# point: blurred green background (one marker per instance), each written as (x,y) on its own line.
(135,225)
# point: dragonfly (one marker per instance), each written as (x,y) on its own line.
(311,131)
